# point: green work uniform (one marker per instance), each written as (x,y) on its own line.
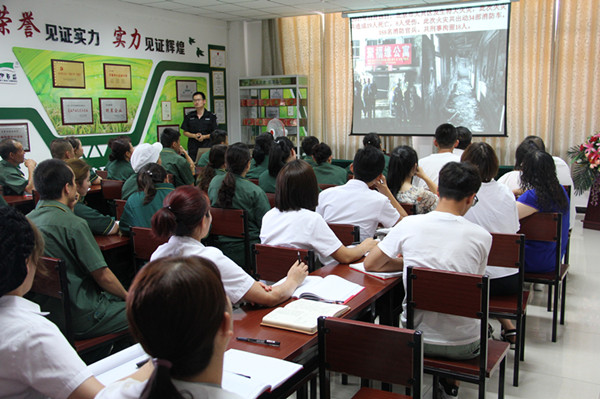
(330,174)
(129,187)
(203,160)
(68,237)
(177,166)
(256,170)
(93,175)
(3,201)
(12,179)
(136,214)
(249,197)
(119,170)
(99,224)
(310,160)
(267,182)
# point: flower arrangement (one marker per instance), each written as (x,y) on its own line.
(585,159)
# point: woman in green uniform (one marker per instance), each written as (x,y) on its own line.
(99,224)
(282,151)
(260,155)
(118,167)
(326,172)
(143,204)
(233,191)
(215,167)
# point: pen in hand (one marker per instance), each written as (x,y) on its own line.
(299,257)
(268,342)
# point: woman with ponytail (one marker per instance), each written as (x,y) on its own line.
(119,166)
(234,191)
(326,172)
(260,155)
(153,187)
(282,151)
(185,365)
(185,219)
(215,167)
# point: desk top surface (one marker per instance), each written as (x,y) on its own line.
(247,319)
(109,242)
(18,199)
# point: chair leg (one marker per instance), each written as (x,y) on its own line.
(522,338)
(500,380)
(482,387)
(549,307)
(434,392)
(555,312)
(517,352)
(563,300)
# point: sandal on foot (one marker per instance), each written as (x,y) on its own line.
(506,335)
(449,389)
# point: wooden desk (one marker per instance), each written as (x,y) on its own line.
(110,242)
(16,200)
(298,347)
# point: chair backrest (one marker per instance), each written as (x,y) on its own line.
(542,226)
(365,350)
(411,209)
(111,189)
(255,181)
(144,242)
(54,284)
(231,223)
(271,198)
(120,207)
(102,173)
(347,233)
(326,186)
(272,262)
(508,250)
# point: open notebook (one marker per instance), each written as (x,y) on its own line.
(381,275)
(244,373)
(302,315)
(331,288)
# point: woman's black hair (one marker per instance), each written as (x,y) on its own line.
(182,342)
(402,161)
(321,152)
(148,177)
(373,140)
(236,160)
(538,172)
(262,147)
(118,148)
(522,150)
(296,187)
(280,151)
(216,160)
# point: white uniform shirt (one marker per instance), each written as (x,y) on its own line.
(432,164)
(496,212)
(132,389)
(36,361)
(440,240)
(300,229)
(354,203)
(235,280)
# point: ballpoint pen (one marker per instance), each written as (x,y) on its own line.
(299,257)
(268,342)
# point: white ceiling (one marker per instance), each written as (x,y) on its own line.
(245,10)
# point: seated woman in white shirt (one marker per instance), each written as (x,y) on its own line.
(294,223)
(168,299)
(37,360)
(496,211)
(403,166)
(185,218)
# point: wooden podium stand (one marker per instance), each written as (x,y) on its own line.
(592,216)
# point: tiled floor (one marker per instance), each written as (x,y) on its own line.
(569,368)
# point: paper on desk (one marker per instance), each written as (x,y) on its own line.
(382,275)
(118,365)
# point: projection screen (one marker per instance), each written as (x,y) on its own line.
(417,69)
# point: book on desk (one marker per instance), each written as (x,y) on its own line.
(332,288)
(244,373)
(301,315)
(380,275)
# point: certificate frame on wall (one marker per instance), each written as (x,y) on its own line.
(160,128)
(68,74)
(117,76)
(218,58)
(76,111)
(218,83)
(186,90)
(165,111)
(113,110)
(187,110)
(16,131)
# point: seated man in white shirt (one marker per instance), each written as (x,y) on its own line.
(446,139)
(355,203)
(444,240)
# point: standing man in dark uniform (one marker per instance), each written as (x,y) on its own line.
(198,125)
